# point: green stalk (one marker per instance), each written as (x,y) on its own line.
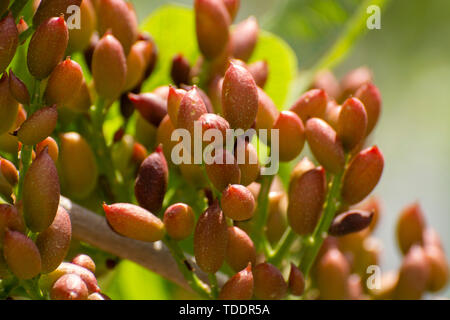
(282,247)
(214,286)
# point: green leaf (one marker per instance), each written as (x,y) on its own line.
(133,282)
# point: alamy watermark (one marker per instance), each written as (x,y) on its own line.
(74,20)
(374,20)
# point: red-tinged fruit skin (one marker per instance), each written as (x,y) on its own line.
(350,222)
(54,242)
(439,268)
(8,105)
(210,239)
(21,255)
(244,38)
(152,107)
(18,89)
(191,108)
(268,282)
(239,286)
(326,80)
(371,98)
(296,281)
(240,249)
(362,175)
(311,104)
(9,171)
(249,163)
(223,170)
(291,135)
(152,180)
(300,168)
(51,146)
(173,103)
(41,193)
(232,7)
(179,220)
(135,67)
(47,47)
(9,40)
(134,222)
(306,198)
(238,203)
(352,123)
(10,219)
(79,38)
(84,261)
(353,80)
(53,8)
(333,272)
(181,70)
(212,21)
(81,101)
(39,126)
(267,112)
(163,137)
(69,287)
(239,97)
(260,72)
(410,227)
(325,145)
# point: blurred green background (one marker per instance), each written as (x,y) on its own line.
(410,59)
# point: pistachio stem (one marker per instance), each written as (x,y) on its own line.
(213,284)
(262,211)
(282,247)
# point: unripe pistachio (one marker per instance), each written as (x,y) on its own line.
(311,104)
(215,93)
(239,97)
(240,249)
(413,276)
(223,170)
(151,182)
(136,64)
(244,38)
(325,145)
(191,108)
(81,101)
(276,219)
(300,168)
(211,24)
(8,105)
(21,255)
(47,47)
(181,70)
(260,72)
(431,238)
(352,123)
(9,40)
(306,198)
(238,203)
(109,67)
(79,38)
(267,112)
(332,114)
(115,15)
(11,219)
(152,107)
(41,193)
(232,7)
(373,204)
(353,80)
(47,281)
(203,95)
(369,255)
(134,222)
(249,164)
(163,137)
(53,243)
(269,282)
(216,122)
(326,81)
(39,126)
(386,290)
(194,174)
(139,153)
(439,268)
(210,239)
(9,143)
(78,166)
(332,276)
(350,222)
(18,89)
(179,220)
(53,8)
(362,175)
(296,281)
(239,286)
(173,103)
(9,171)
(410,227)
(291,134)
(371,98)
(64,80)
(69,287)
(52,146)
(84,261)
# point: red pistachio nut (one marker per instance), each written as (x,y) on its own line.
(232,7)
(211,24)
(18,89)
(276,219)
(41,193)
(333,272)
(47,47)
(11,219)
(152,107)
(267,112)
(210,239)
(54,242)
(239,286)
(191,108)
(260,72)
(240,249)
(39,126)
(151,182)
(239,97)
(163,137)
(53,8)
(352,123)
(9,40)
(52,148)
(306,198)
(296,281)
(9,171)
(249,162)
(173,102)
(116,15)
(300,168)
(215,93)
(179,220)
(244,38)
(325,145)
(216,122)
(223,170)
(439,268)
(371,98)
(69,287)
(81,101)
(291,135)
(139,153)
(134,222)
(431,238)
(332,114)
(180,70)
(238,203)
(84,261)
(362,175)
(353,80)
(413,276)
(8,105)
(136,63)
(326,81)
(21,255)
(79,39)
(350,222)
(373,204)
(410,227)
(109,67)
(269,282)
(311,104)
